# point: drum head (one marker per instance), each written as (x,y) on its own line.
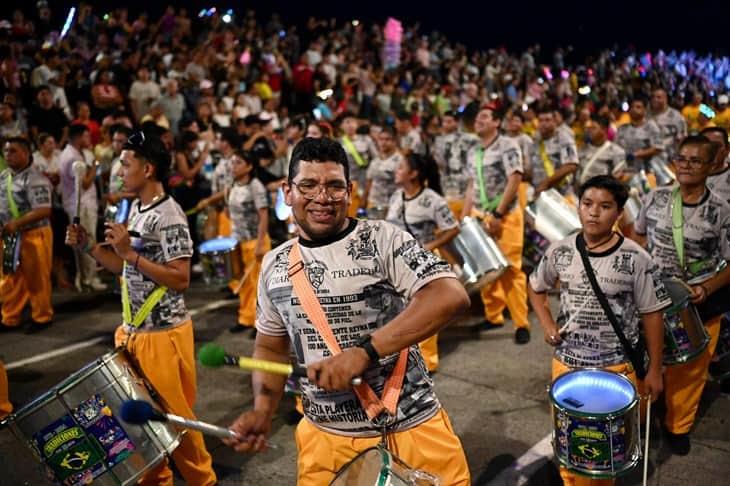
(593,392)
(218,244)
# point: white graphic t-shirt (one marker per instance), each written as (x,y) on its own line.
(450,152)
(30,190)
(500,160)
(632,285)
(560,149)
(607,162)
(720,184)
(367,150)
(673,127)
(382,173)
(244,202)
(421,215)
(164,236)
(363,278)
(633,138)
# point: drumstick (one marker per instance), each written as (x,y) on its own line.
(192,211)
(565,328)
(240,283)
(646,441)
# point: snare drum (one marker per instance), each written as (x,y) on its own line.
(221,261)
(685,337)
(11,252)
(476,256)
(595,422)
(117,213)
(75,431)
(552,216)
(378,466)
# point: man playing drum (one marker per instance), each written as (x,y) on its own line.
(495,171)
(382,293)
(155,269)
(360,150)
(25,209)
(628,278)
(555,158)
(691,245)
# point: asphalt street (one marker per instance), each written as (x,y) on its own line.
(493,390)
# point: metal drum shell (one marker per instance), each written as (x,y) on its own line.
(371,466)
(691,327)
(477,258)
(115,379)
(552,216)
(220,266)
(630,413)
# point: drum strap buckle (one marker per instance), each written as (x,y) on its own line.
(296,268)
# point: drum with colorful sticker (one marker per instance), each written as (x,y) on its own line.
(221,261)
(595,422)
(74,429)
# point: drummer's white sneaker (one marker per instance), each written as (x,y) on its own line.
(97,285)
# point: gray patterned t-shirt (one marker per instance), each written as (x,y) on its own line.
(31,190)
(244,202)
(363,280)
(451,152)
(560,149)
(382,173)
(422,215)
(500,160)
(594,160)
(720,184)
(631,282)
(164,236)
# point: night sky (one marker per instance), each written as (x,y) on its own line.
(705,25)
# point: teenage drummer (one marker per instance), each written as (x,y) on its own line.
(495,173)
(419,208)
(691,245)
(248,205)
(155,269)
(625,274)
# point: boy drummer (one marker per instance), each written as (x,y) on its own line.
(155,269)
(628,278)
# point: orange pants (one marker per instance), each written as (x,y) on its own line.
(32,281)
(355,200)
(569,477)
(430,351)
(432,447)
(166,358)
(683,384)
(247,294)
(510,289)
(5,406)
(224,223)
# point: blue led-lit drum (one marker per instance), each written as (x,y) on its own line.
(221,261)
(595,422)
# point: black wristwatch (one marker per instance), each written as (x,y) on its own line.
(365,343)
(497,214)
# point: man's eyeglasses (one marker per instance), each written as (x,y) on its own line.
(335,191)
(693,162)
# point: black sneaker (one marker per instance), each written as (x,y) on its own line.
(237,328)
(252,334)
(678,443)
(5,328)
(489,325)
(522,335)
(725,385)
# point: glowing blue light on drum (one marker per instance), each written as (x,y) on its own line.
(218,244)
(593,391)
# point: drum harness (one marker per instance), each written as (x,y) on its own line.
(380,411)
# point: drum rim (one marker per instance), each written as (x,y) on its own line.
(689,357)
(219,251)
(593,415)
(628,466)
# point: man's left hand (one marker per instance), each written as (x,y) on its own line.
(699,294)
(653,383)
(117,235)
(337,372)
(10,228)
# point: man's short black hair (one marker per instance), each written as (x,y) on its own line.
(76,130)
(318,150)
(601,120)
(24,142)
(609,183)
(149,147)
(710,149)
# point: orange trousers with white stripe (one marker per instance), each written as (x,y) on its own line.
(166,358)
(31,282)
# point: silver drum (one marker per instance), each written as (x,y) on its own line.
(552,216)
(74,429)
(477,259)
(685,337)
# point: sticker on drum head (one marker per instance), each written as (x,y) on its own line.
(587,444)
(80,448)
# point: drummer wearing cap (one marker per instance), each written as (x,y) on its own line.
(690,245)
(155,270)
(495,173)
(625,274)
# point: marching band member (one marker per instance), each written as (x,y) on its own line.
(419,208)
(155,267)
(382,293)
(248,206)
(380,183)
(600,156)
(360,150)
(495,171)
(555,158)
(25,209)
(628,278)
(719,179)
(690,245)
